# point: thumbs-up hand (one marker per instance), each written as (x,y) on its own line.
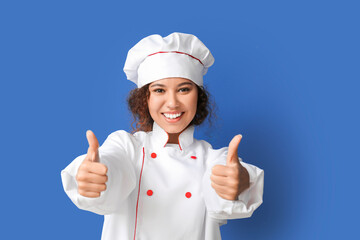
(230,180)
(91,176)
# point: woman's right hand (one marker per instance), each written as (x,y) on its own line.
(92,175)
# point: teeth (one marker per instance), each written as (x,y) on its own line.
(172,116)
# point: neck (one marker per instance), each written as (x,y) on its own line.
(173,138)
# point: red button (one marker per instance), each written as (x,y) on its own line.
(149,192)
(188,195)
(153,155)
(193,157)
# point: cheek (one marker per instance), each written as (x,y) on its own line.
(153,105)
(149,103)
(193,104)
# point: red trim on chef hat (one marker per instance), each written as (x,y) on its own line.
(182,55)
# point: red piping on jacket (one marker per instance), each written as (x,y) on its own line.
(179,140)
(137,202)
(177,52)
(168,139)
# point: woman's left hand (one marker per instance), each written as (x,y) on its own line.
(232,179)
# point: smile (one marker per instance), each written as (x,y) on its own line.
(172,116)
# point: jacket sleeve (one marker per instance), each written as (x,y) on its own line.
(118,154)
(248,200)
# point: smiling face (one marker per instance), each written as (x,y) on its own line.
(172,104)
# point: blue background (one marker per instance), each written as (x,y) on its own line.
(286,76)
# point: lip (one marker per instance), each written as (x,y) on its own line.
(172,112)
(175,119)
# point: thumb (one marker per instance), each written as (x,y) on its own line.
(232,156)
(92,153)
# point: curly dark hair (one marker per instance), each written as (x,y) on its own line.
(138,106)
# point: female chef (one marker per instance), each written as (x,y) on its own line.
(161,182)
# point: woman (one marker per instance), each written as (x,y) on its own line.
(160,182)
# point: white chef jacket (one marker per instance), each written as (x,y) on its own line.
(161,191)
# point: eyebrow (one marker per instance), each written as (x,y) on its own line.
(157,85)
(162,85)
(185,83)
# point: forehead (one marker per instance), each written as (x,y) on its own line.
(171,81)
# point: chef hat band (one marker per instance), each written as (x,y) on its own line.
(167,65)
(177,55)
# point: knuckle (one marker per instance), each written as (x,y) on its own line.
(235,182)
(80,177)
(85,164)
(233,192)
(101,168)
(229,197)
(215,168)
(214,182)
(82,193)
(81,185)
(231,184)
(81,167)
(234,172)
(225,196)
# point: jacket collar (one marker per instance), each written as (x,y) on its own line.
(160,137)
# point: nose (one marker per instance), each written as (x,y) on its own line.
(172,101)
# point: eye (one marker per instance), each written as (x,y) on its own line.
(185,89)
(158,90)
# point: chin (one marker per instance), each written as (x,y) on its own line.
(173,129)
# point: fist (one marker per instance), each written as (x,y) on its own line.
(91,176)
(232,179)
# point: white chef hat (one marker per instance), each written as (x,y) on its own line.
(177,55)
